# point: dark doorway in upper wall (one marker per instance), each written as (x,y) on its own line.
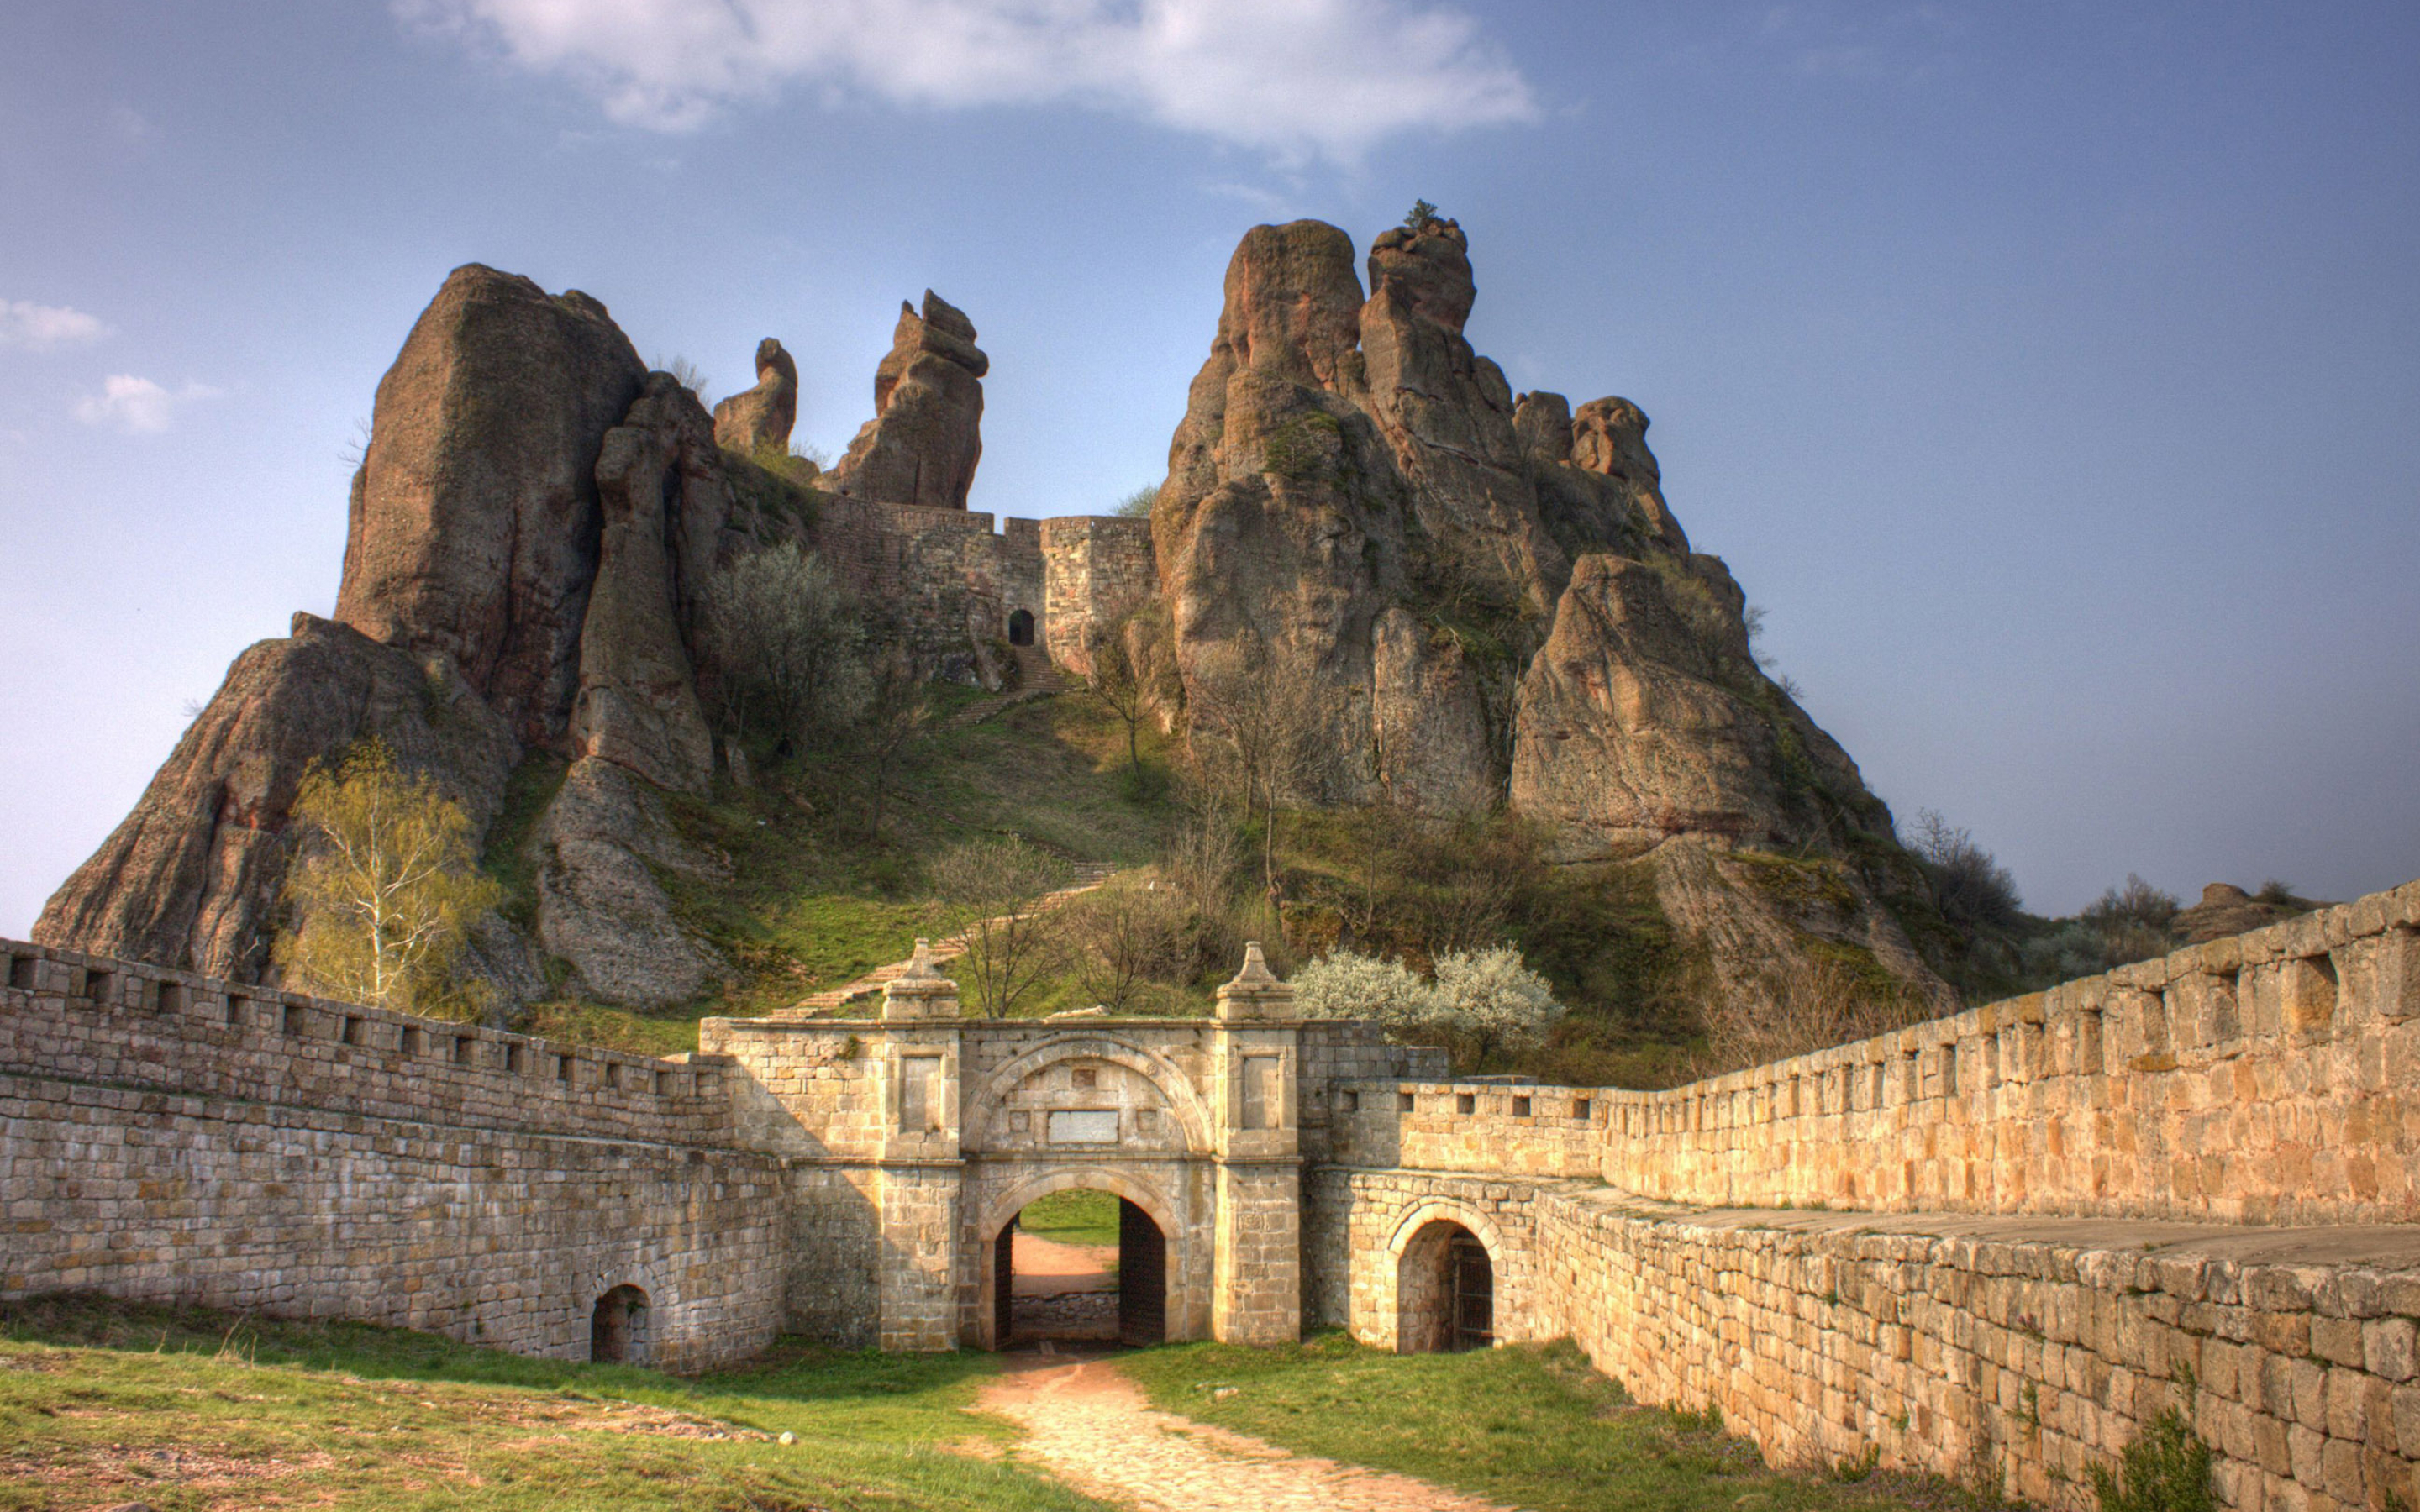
(1020,628)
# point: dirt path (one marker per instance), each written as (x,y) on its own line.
(1046,1268)
(1090,1426)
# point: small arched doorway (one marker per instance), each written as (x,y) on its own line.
(1020,628)
(617,1327)
(1079,1266)
(1444,1292)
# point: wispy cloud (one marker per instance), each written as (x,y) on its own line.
(135,404)
(46,327)
(1296,79)
(1904,43)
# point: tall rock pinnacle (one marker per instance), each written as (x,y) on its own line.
(926,434)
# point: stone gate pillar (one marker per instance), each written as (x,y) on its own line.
(922,1170)
(1256,1279)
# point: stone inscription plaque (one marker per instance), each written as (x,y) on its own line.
(1084,1126)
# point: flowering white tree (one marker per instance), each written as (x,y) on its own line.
(1346,984)
(1481,1001)
(1490,999)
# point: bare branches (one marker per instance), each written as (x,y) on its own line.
(1259,718)
(1814,1007)
(995,888)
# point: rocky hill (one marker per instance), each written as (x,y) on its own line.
(1498,607)
(1487,592)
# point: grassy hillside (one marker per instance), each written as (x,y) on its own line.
(186,1409)
(818,897)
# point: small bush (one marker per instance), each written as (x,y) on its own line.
(2137,902)
(2166,1469)
(1969,885)
(1137,505)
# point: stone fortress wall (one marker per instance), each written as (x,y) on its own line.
(165,1135)
(952,583)
(1995,1246)
(1992,1247)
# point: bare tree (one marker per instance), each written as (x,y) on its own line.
(789,642)
(1125,933)
(1263,715)
(1115,684)
(897,719)
(1824,1004)
(994,889)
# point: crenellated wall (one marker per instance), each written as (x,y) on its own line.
(167,1136)
(949,583)
(2272,1078)
(1993,1246)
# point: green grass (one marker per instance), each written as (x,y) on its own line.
(187,1409)
(815,899)
(1527,1426)
(1077,1217)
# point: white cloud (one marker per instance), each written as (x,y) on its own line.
(43,327)
(137,404)
(1295,78)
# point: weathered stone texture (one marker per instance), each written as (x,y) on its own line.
(2264,1079)
(190,879)
(2017,1362)
(164,1139)
(474,529)
(760,417)
(926,434)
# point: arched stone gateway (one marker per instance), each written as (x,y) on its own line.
(915,1139)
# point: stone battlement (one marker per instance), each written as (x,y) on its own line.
(2267,1078)
(126,1025)
(955,587)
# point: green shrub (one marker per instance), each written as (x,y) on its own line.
(2166,1469)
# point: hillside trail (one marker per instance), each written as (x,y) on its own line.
(1091,1426)
(1089,875)
(1038,677)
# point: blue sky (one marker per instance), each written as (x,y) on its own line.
(2048,373)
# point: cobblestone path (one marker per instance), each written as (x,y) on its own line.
(1090,1426)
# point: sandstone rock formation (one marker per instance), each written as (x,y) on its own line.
(190,878)
(600,908)
(638,703)
(925,437)
(1495,598)
(530,534)
(761,417)
(1486,597)
(474,519)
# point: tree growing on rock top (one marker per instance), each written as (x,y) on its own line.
(384,889)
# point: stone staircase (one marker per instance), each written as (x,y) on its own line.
(1038,677)
(1089,875)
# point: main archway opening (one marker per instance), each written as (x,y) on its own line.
(617,1327)
(1444,1292)
(1020,628)
(1079,1267)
